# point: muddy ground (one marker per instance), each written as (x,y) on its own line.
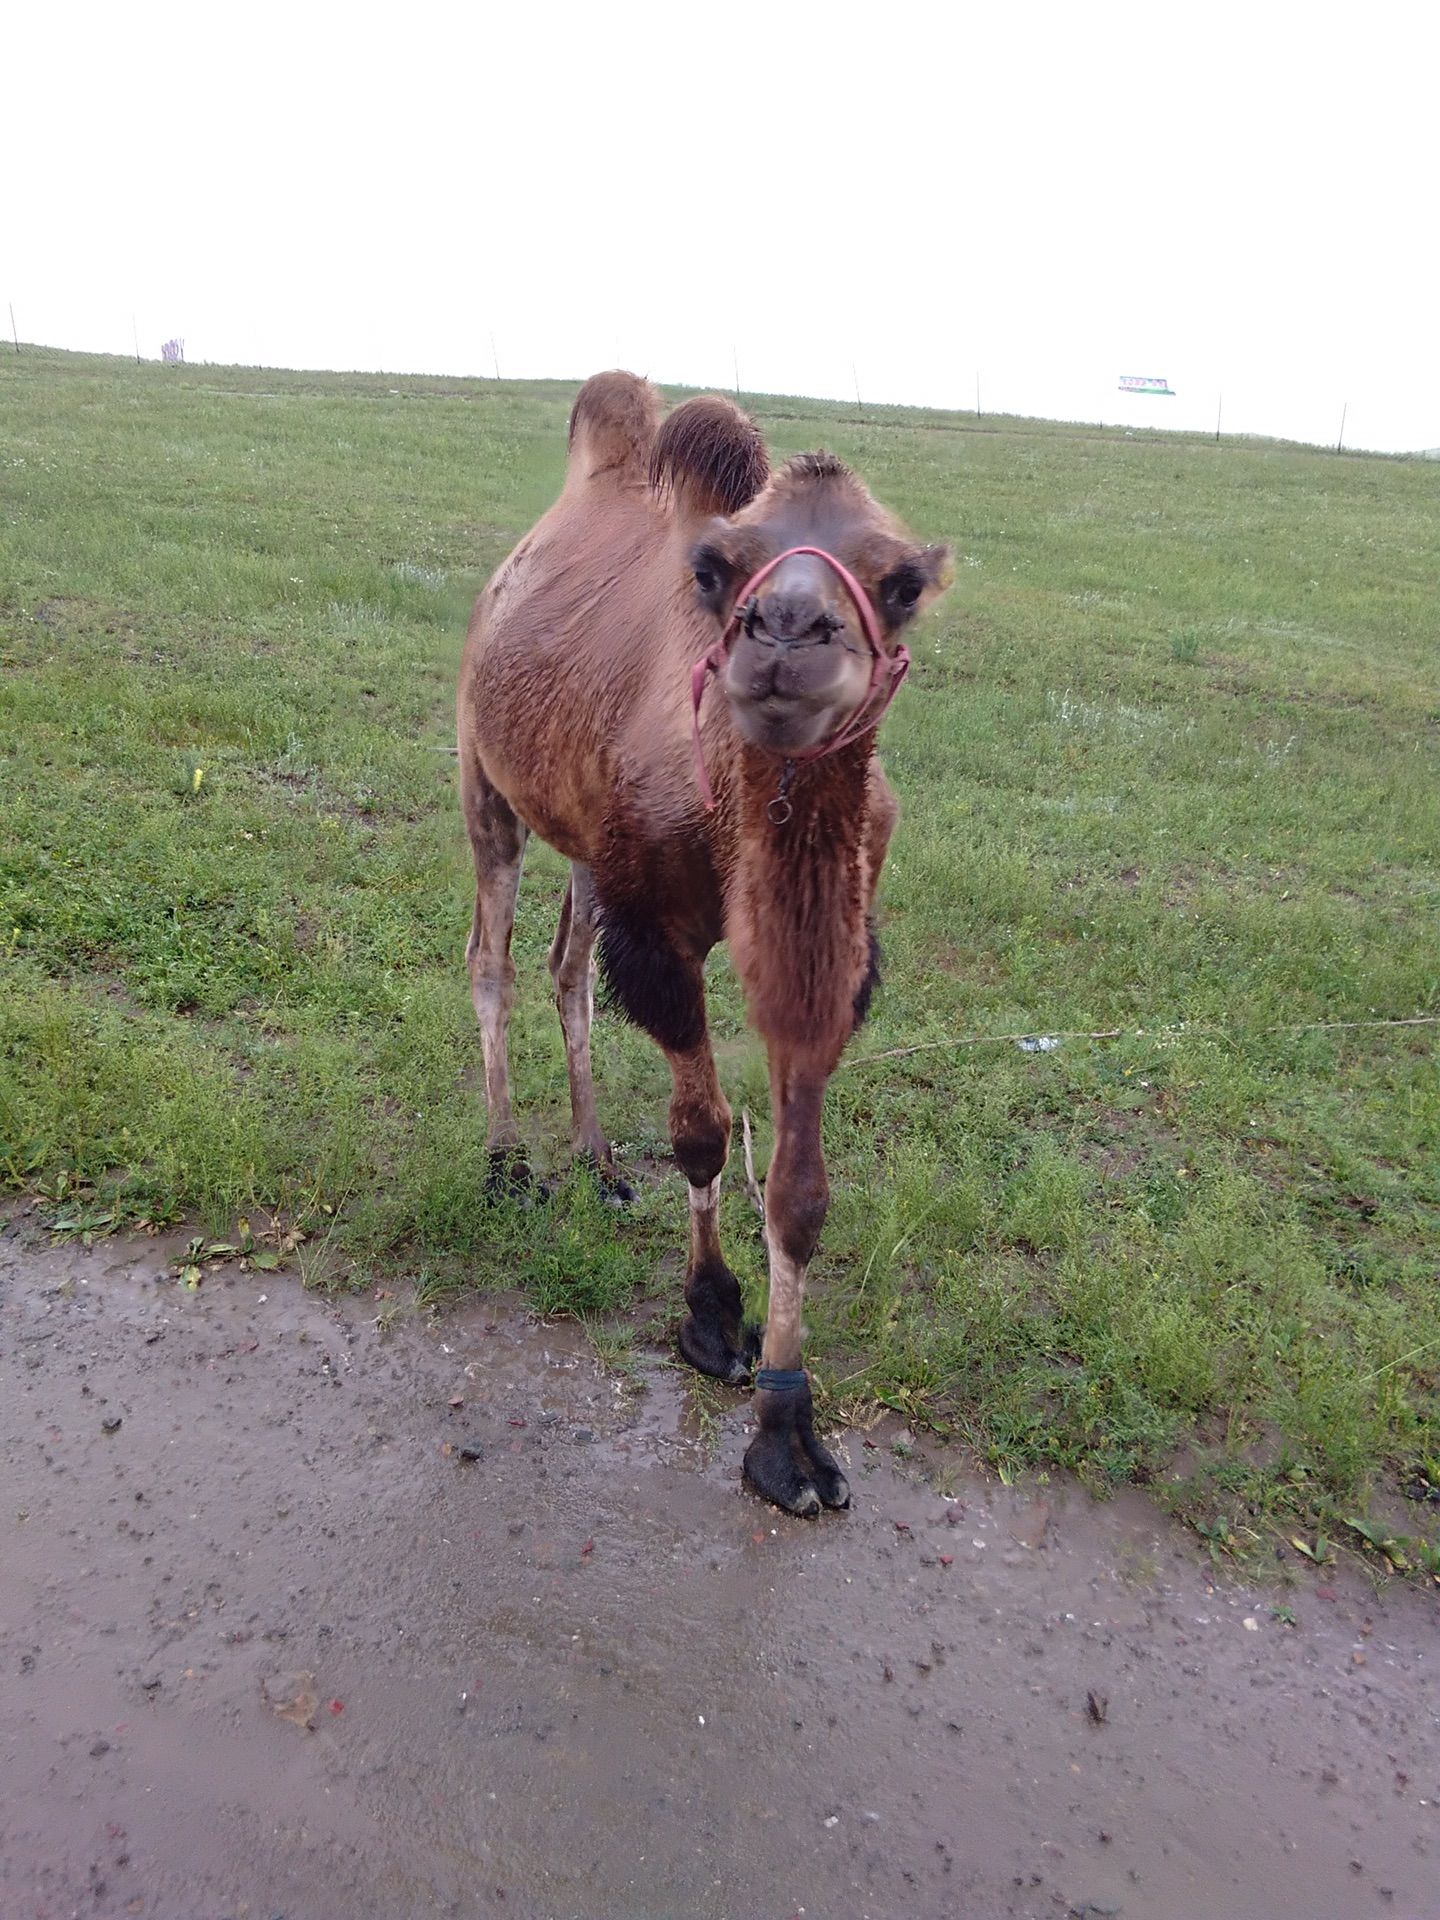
(583,1674)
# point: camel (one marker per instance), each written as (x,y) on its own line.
(753,810)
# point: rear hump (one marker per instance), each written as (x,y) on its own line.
(708,459)
(612,428)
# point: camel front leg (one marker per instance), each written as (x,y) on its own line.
(714,1337)
(785,1461)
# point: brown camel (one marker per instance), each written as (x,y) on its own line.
(753,811)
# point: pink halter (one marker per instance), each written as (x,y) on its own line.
(886,673)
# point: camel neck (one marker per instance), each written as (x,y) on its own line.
(796,912)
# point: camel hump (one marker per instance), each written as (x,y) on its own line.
(708,459)
(612,427)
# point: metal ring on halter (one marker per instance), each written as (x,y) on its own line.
(779,810)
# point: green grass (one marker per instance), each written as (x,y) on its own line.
(1170,761)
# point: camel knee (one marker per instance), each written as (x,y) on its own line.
(796,1203)
(700,1137)
(572,966)
(488,969)
(492,994)
(573,978)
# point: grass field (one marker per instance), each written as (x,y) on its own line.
(1170,762)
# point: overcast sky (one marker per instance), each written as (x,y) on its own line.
(1241,199)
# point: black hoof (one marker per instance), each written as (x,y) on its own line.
(615,1189)
(707,1348)
(830,1483)
(509,1177)
(785,1463)
(714,1337)
(773,1471)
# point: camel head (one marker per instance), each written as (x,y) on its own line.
(800,662)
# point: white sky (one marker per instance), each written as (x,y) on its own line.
(1239,198)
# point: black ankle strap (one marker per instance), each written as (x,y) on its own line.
(780,1379)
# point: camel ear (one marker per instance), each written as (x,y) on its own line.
(715,574)
(915,582)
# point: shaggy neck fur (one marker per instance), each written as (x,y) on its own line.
(797,922)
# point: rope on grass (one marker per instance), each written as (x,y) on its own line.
(1118,1033)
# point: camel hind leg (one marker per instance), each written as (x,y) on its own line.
(497,838)
(572,968)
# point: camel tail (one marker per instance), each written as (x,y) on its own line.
(612,428)
(708,459)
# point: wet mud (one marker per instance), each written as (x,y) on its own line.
(307,1615)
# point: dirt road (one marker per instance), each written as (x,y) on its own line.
(584,1675)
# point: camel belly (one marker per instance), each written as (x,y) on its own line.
(547,788)
(537,744)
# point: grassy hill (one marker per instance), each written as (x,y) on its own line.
(1170,763)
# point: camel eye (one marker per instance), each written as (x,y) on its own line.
(711,572)
(901,591)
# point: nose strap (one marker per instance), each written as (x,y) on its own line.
(887,670)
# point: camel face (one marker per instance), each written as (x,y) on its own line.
(810,586)
(801,663)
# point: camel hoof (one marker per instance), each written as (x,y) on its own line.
(509,1178)
(823,1467)
(615,1190)
(785,1462)
(703,1344)
(771,1470)
(832,1487)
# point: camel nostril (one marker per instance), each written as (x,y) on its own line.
(794,616)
